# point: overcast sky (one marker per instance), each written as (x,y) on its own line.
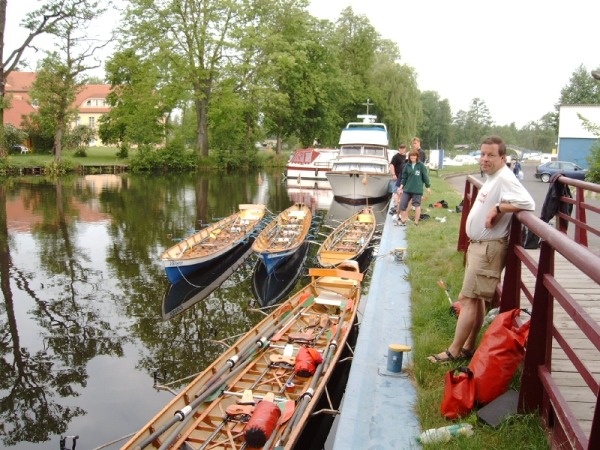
(514,55)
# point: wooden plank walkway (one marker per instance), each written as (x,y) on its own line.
(579,396)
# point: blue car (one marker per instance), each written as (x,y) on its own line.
(545,171)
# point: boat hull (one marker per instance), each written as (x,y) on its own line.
(356,187)
(321,316)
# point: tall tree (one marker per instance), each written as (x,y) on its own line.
(141,100)
(474,124)
(195,36)
(38,22)
(60,75)
(581,90)
(434,130)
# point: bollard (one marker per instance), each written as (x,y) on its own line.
(395,354)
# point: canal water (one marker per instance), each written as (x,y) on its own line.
(87,322)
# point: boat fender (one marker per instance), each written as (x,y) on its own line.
(307,361)
(261,424)
(262,342)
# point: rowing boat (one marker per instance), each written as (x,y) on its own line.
(283,236)
(262,391)
(349,240)
(210,243)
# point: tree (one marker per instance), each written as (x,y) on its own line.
(60,74)
(196,37)
(581,90)
(40,21)
(434,129)
(474,124)
(141,100)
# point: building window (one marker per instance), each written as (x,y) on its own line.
(92,122)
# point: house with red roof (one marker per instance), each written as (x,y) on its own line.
(90,101)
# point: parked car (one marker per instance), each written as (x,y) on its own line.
(545,171)
(451,162)
(466,159)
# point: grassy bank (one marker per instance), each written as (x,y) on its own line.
(107,156)
(432,255)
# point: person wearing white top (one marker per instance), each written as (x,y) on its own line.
(487,227)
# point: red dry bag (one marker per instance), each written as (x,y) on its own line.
(498,356)
(459,393)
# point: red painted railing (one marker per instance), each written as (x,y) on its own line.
(539,390)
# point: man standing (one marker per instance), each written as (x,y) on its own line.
(396,166)
(488,226)
(416,145)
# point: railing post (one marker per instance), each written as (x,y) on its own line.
(580,215)
(539,342)
(511,285)
(469,197)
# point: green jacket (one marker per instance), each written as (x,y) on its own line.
(414,179)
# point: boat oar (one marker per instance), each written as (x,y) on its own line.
(308,395)
(242,358)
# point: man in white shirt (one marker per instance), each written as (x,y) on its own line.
(487,227)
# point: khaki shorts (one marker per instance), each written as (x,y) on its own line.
(485,261)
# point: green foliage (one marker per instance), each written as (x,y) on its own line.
(581,90)
(13,136)
(435,127)
(173,158)
(78,138)
(593,160)
(61,167)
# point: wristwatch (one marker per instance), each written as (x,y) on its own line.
(498,208)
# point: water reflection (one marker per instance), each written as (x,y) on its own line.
(197,286)
(83,288)
(268,289)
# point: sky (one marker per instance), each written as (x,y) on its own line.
(516,56)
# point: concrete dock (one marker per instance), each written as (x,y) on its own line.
(378,410)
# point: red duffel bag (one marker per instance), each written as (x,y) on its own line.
(459,393)
(498,356)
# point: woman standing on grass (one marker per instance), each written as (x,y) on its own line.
(414,176)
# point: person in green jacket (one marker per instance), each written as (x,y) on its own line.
(414,177)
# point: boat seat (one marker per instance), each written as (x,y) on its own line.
(365,218)
(297,214)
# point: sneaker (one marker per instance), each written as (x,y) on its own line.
(402,223)
(395,220)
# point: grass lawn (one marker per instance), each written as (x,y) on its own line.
(432,255)
(96,156)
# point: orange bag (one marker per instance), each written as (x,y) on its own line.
(498,356)
(459,393)
(307,361)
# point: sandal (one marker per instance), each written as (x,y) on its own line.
(435,359)
(466,354)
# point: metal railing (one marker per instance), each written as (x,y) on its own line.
(540,391)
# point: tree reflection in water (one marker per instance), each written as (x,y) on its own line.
(81,327)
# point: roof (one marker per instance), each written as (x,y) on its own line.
(18,85)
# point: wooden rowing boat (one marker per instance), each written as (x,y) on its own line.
(217,409)
(211,243)
(349,240)
(283,236)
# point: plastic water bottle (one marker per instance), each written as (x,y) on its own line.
(444,434)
